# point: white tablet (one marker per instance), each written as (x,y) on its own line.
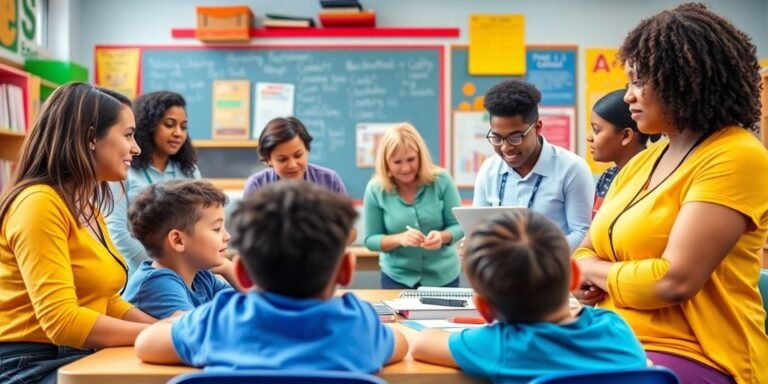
(469,217)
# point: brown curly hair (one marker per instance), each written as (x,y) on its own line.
(702,69)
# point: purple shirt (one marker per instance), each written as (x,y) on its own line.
(314,174)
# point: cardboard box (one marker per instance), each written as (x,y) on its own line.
(219,24)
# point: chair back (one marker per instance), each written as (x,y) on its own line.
(650,375)
(277,377)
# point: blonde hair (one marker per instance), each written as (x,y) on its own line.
(400,137)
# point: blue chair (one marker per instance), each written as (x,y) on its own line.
(651,375)
(763,286)
(277,377)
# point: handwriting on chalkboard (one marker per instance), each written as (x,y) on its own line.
(336,88)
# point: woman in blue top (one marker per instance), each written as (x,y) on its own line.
(614,138)
(166,154)
(408,214)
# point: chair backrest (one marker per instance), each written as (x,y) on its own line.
(651,375)
(763,286)
(277,377)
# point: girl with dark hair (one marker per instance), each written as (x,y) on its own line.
(60,274)
(676,248)
(166,154)
(284,146)
(614,139)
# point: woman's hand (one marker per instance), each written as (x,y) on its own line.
(411,238)
(589,294)
(433,241)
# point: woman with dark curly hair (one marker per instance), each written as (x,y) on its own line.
(166,154)
(676,247)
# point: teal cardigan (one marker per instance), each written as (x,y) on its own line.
(387,214)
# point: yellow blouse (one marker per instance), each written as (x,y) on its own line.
(56,279)
(722,326)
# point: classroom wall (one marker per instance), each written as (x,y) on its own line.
(588,23)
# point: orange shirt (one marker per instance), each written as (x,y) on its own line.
(722,326)
(56,279)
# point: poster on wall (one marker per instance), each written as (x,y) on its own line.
(496,44)
(368,136)
(558,126)
(118,69)
(19,29)
(272,100)
(604,74)
(470,146)
(231,109)
(553,71)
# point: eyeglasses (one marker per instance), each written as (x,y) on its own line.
(512,139)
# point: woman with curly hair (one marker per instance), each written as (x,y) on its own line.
(166,154)
(676,247)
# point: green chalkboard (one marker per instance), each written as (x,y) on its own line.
(337,87)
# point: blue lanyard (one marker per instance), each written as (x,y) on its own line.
(149,179)
(503,186)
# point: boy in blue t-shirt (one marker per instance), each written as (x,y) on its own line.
(181,224)
(291,239)
(519,265)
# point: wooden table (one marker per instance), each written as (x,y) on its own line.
(367,260)
(121,366)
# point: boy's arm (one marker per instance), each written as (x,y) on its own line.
(400,349)
(432,347)
(155,344)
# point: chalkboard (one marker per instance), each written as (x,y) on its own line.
(337,87)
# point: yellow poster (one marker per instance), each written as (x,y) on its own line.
(231,109)
(118,69)
(496,45)
(604,74)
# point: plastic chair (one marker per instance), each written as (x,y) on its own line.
(763,286)
(651,375)
(277,377)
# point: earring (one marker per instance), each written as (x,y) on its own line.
(93,147)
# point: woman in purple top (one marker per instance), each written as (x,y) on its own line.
(284,147)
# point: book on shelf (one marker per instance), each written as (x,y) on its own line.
(282,21)
(341,4)
(336,11)
(365,18)
(12,114)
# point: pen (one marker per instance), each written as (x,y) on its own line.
(466,320)
(443,302)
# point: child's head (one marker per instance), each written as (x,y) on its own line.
(403,157)
(291,237)
(515,125)
(161,129)
(183,217)
(613,130)
(519,264)
(284,145)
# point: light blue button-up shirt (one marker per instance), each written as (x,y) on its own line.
(565,194)
(117,221)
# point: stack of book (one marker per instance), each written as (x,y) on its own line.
(12,108)
(345,13)
(282,21)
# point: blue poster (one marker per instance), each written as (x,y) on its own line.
(553,70)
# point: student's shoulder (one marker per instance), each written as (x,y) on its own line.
(262,177)
(601,318)
(321,170)
(490,164)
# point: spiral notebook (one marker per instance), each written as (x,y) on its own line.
(456,293)
(409,306)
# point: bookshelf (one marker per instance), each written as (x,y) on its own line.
(22,102)
(387,32)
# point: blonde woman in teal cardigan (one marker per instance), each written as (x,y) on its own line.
(408,214)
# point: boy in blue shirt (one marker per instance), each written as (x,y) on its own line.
(291,239)
(519,265)
(181,224)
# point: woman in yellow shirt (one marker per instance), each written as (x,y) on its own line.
(60,275)
(676,247)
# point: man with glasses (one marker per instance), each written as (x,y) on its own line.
(530,172)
